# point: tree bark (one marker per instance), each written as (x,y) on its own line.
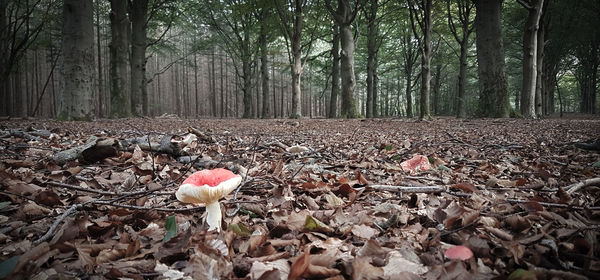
(120,92)
(490,57)
(347,73)
(335,72)
(371,16)
(344,16)
(264,66)
(436,88)
(530,58)
(422,17)
(139,95)
(466,27)
(76,95)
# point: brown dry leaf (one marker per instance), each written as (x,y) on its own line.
(202,266)
(274,270)
(500,233)
(333,200)
(363,231)
(31,256)
(300,266)
(403,264)
(466,187)
(362,269)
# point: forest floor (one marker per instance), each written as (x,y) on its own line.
(320,199)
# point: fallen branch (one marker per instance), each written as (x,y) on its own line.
(92,151)
(579,185)
(77,188)
(409,188)
(60,218)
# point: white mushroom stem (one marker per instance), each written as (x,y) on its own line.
(213,217)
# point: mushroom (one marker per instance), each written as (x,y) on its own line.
(208,186)
(459,253)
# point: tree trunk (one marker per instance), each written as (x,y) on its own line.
(101,104)
(347,73)
(264,69)
(247,75)
(120,92)
(213,83)
(371,53)
(4,67)
(296,67)
(436,89)
(76,95)
(222,86)
(539,98)
(335,72)
(490,57)
(461,111)
(530,59)
(139,95)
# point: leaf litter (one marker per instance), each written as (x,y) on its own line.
(320,199)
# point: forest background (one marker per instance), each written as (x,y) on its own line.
(298,58)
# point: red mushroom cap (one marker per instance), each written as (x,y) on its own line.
(211,178)
(208,186)
(459,253)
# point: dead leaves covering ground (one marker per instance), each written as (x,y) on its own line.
(307,210)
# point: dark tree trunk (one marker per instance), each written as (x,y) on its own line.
(490,57)
(436,89)
(264,67)
(371,16)
(76,95)
(120,92)
(139,95)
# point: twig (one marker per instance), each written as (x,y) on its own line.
(68,186)
(60,218)
(423,178)
(579,185)
(409,188)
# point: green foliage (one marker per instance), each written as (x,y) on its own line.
(171,227)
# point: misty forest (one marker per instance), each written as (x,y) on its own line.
(78,60)
(299,139)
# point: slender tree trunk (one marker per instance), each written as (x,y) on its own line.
(530,59)
(408,75)
(77,87)
(139,94)
(462,78)
(264,71)
(222,87)
(296,70)
(371,53)
(101,104)
(335,72)
(490,57)
(119,61)
(436,89)
(213,82)
(539,98)
(347,73)
(4,67)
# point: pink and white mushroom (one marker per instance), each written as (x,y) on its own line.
(208,186)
